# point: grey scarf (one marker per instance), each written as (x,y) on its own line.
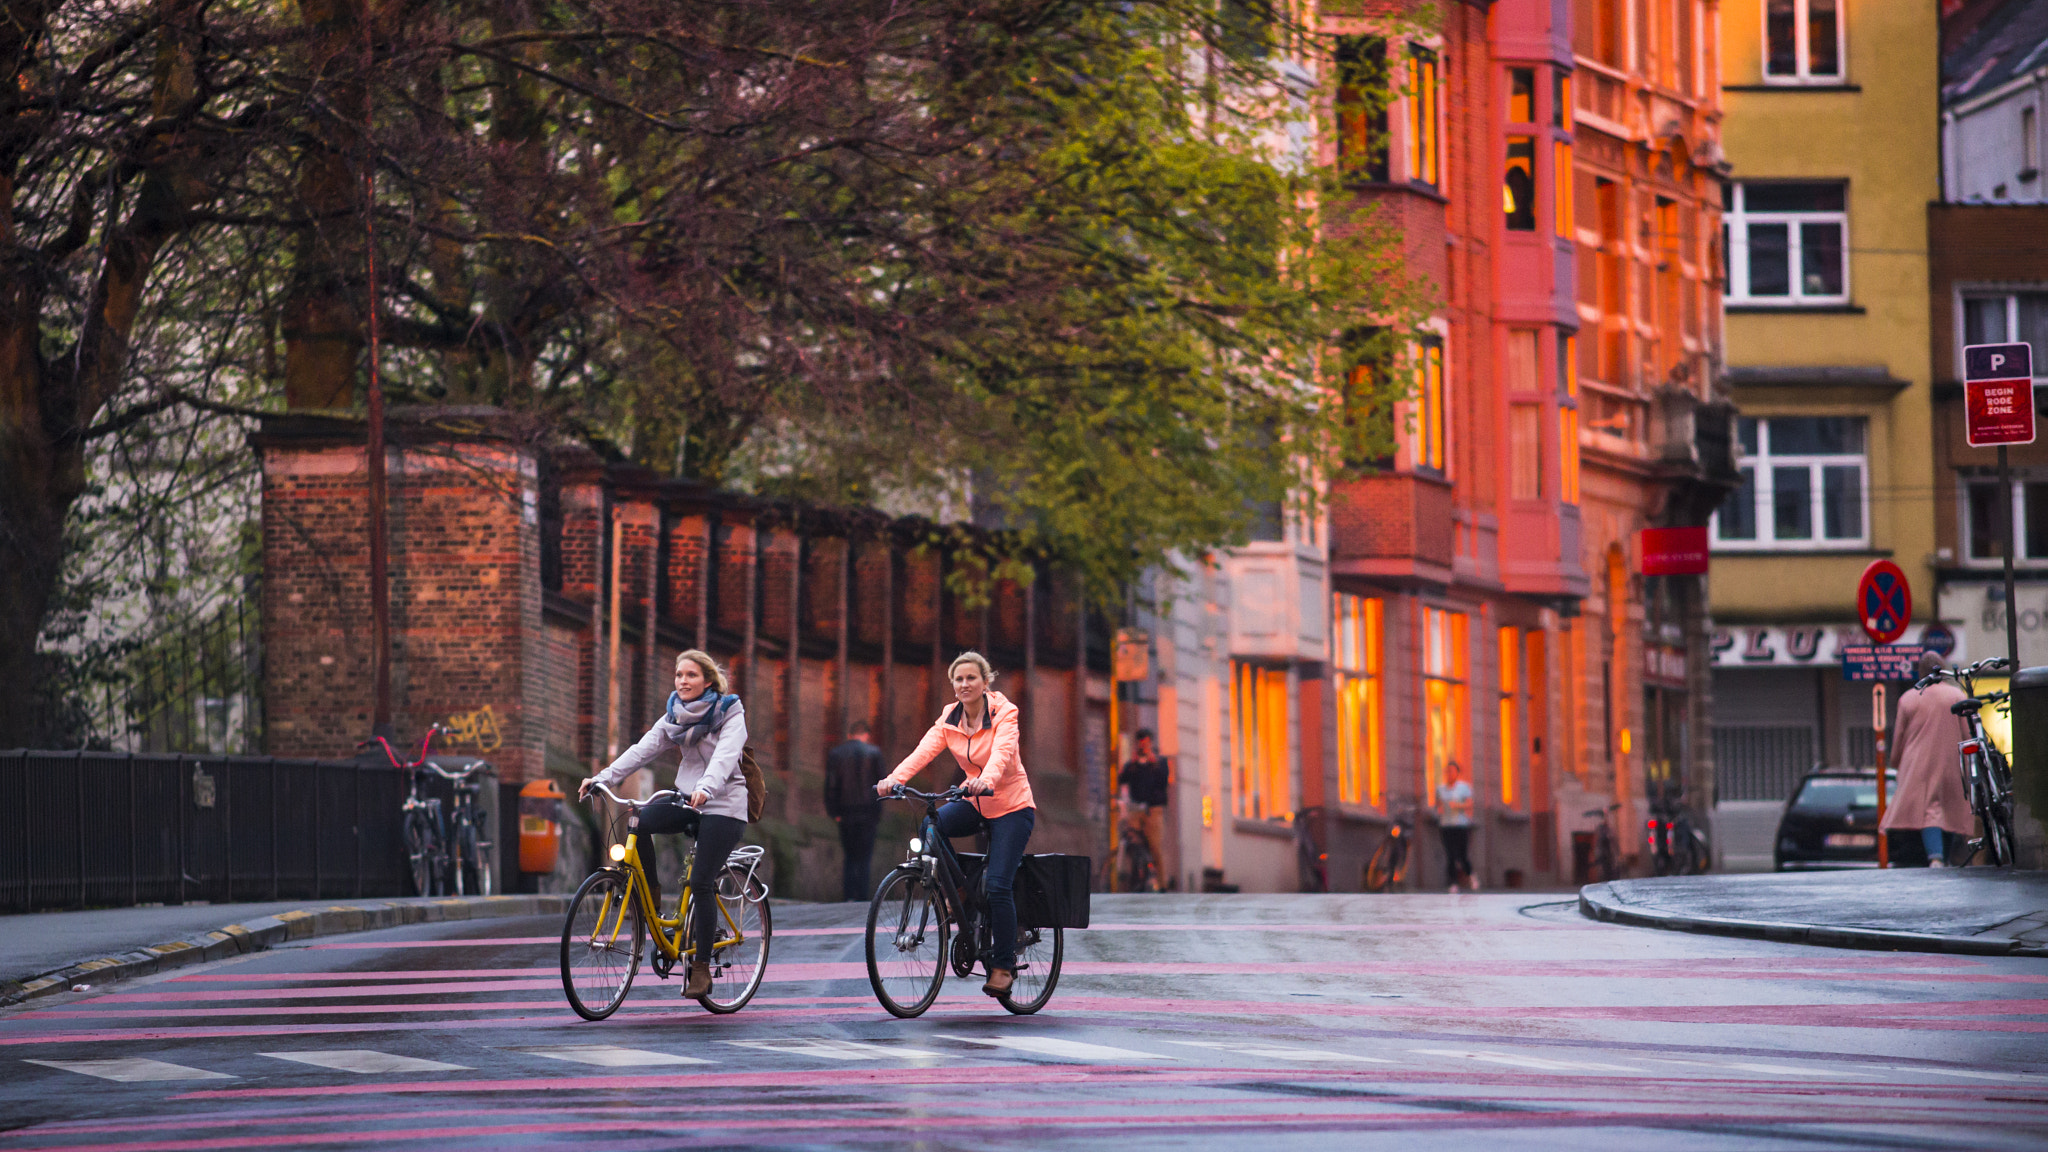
(692,716)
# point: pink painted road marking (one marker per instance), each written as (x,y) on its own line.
(497,941)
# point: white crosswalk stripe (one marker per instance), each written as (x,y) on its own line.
(1071,1049)
(1300,1055)
(134,1070)
(1766,1069)
(830,1049)
(1540,1063)
(365,1061)
(605,1055)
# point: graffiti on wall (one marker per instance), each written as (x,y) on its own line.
(479,728)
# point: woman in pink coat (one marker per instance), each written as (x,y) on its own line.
(1930,799)
(980,730)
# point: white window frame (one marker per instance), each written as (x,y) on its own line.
(1736,221)
(1762,465)
(2018,499)
(2012,294)
(1802,50)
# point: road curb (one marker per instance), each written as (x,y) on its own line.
(266,932)
(1600,902)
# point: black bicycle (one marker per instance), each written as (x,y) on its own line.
(1678,847)
(1137,866)
(931,913)
(1389,863)
(1987,778)
(1606,861)
(447,852)
(1311,863)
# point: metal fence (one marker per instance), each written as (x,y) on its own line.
(100,829)
(1761,761)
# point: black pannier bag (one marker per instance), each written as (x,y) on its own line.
(1052,891)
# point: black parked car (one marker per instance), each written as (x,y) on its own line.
(1831,821)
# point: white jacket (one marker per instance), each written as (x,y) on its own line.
(710,750)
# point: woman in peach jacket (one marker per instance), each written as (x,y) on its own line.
(980,730)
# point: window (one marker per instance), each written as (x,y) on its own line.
(1568,421)
(1260,699)
(1362,108)
(2030,145)
(1786,243)
(1518,191)
(1355,651)
(1510,698)
(2008,317)
(1423,144)
(1561,176)
(1802,484)
(1525,419)
(1432,439)
(1443,695)
(1802,42)
(1984,514)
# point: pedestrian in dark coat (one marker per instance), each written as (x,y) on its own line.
(851,771)
(1930,802)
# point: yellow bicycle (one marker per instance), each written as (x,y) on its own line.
(605,934)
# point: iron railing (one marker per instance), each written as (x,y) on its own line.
(102,829)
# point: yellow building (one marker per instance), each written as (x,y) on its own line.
(1832,134)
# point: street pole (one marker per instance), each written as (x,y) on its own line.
(380,586)
(2012,615)
(1877,721)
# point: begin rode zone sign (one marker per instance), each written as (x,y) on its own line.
(1998,394)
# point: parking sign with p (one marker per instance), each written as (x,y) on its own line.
(1998,394)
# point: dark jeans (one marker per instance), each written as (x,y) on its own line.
(1457,845)
(716,837)
(1007,836)
(1909,846)
(857,840)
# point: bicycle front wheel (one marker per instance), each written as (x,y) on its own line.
(472,862)
(602,940)
(906,943)
(1389,861)
(1039,951)
(419,853)
(738,961)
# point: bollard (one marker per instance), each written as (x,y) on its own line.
(2029,760)
(540,826)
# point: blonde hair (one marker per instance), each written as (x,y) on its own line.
(712,672)
(988,674)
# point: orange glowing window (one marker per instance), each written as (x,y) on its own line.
(1445,717)
(1259,698)
(1355,647)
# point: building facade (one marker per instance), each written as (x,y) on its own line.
(1832,139)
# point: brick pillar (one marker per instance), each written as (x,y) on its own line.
(465,592)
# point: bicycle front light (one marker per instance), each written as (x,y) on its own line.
(618,852)
(916,846)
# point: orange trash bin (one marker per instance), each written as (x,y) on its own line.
(540,826)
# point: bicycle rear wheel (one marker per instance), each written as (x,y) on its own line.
(1388,865)
(906,943)
(1039,951)
(419,853)
(737,968)
(602,941)
(473,863)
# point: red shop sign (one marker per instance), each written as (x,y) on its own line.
(1674,551)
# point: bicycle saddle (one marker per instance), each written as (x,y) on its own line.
(1966,704)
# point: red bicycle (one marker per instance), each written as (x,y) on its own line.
(447,853)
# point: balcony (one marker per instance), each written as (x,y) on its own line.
(1392,526)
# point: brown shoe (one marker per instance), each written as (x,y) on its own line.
(999,981)
(700,980)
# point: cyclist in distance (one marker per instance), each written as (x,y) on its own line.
(709,727)
(980,730)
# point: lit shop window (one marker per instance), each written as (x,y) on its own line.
(1802,41)
(1802,485)
(1443,695)
(1424,140)
(1259,699)
(1355,648)
(1787,243)
(1512,696)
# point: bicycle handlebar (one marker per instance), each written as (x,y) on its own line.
(474,767)
(606,789)
(1993,664)
(905,792)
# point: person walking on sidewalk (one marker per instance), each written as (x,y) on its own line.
(1143,788)
(851,771)
(709,727)
(1930,802)
(1454,797)
(980,730)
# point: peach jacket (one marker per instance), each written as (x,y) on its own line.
(988,754)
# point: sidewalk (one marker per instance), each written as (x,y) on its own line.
(44,953)
(1984,911)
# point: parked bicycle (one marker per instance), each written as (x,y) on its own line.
(1677,846)
(1389,863)
(1137,868)
(448,851)
(613,912)
(1606,859)
(1987,778)
(1311,863)
(931,913)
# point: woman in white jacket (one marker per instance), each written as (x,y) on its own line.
(709,727)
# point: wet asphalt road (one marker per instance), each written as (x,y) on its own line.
(1291,1021)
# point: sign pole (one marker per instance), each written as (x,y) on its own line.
(1877,719)
(2012,612)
